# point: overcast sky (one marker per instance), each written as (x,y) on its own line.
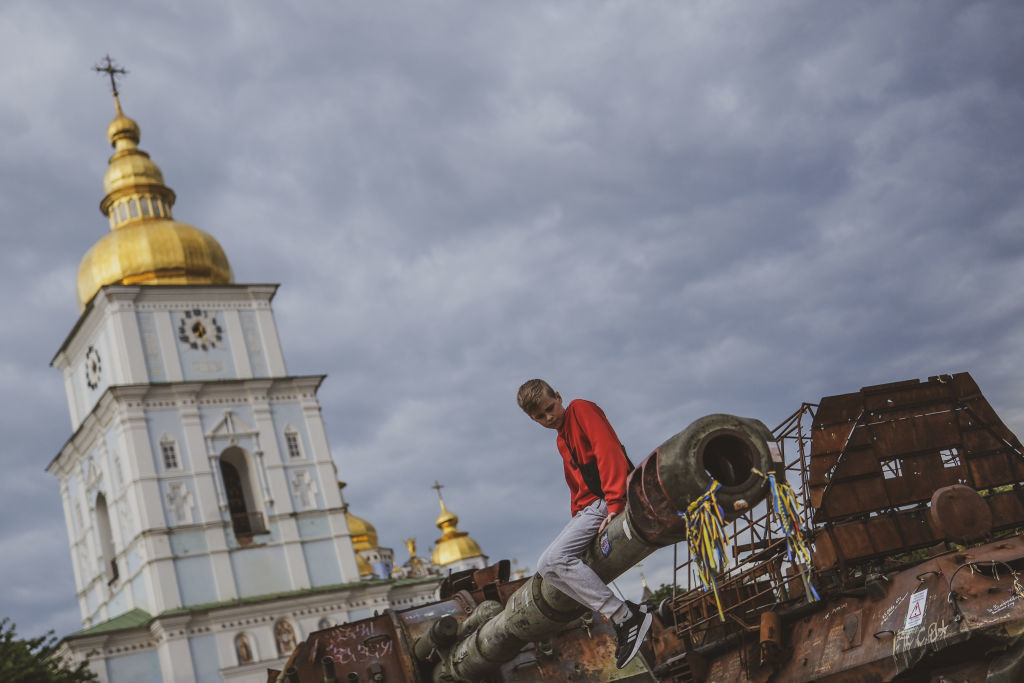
(670,208)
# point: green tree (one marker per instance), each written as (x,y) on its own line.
(33,660)
(663,591)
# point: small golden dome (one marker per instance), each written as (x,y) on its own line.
(122,126)
(454,545)
(146,245)
(364,535)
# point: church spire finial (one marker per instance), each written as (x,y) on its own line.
(438,486)
(113,71)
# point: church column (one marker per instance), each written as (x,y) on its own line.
(280,488)
(239,353)
(332,494)
(166,336)
(127,338)
(271,341)
(160,576)
(173,651)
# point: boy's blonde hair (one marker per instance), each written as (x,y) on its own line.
(532,393)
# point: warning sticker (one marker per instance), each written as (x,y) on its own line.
(915,610)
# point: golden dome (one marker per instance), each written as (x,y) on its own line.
(146,245)
(454,545)
(364,535)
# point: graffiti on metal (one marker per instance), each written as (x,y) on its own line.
(936,635)
(1002,606)
(892,608)
(834,611)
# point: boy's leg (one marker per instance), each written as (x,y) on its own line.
(561,566)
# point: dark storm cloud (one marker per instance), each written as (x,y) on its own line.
(670,208)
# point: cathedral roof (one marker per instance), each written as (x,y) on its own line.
(145,244)
(454,545)
(364,534)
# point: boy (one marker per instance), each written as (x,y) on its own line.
(595,470)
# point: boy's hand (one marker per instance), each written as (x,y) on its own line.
(606,522)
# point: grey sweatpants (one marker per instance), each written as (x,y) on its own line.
(560,564)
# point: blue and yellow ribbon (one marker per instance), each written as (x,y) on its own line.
(787,511)
(706,538)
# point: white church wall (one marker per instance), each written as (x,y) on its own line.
(259,571)
(138,667)
(239,353)
(133,560)
(322,563)
(314,526)
(187,542)
(253,342)
(195,580)
(151,351)
(140,593)
(271,340)
(205,659)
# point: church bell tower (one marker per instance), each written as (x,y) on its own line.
(198,476)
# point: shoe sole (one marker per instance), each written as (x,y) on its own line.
(645,626)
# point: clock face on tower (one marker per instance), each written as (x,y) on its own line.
(92,367)
(199,330)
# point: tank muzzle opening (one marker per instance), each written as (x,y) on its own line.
(728,459)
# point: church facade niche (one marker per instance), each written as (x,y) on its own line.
(284,636)
(247,519)
(244,649)
(179,503)
(106,539)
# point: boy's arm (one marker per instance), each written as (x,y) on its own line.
(611,462)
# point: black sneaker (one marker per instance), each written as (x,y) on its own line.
(631,633)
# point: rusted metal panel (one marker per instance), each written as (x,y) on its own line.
(1007,508)
(851,465)
(855,496)
(901,432)
(830,436)
(959,607)
(909,438)
(376,643)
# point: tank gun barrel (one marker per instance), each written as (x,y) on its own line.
(734,451)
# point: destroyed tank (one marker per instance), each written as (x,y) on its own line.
(872,536)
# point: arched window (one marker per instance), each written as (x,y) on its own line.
(106,539)
(246,520)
